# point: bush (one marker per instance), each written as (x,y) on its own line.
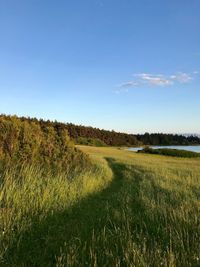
(32,143)
(170,152)
(89,141)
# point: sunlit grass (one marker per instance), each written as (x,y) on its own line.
(129,210)
(31,196)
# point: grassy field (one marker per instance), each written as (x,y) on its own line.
(130,209)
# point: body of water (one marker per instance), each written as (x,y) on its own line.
(188,148)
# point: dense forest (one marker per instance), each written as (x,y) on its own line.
(110,138)
(82,134)
(113,138)
(168,139)
(50,136)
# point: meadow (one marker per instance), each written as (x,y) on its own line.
(128,209)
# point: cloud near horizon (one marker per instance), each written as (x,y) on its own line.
(158,80)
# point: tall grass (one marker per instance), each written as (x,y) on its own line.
(28,197)
(130,210)
(145,223)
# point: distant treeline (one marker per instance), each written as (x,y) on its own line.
(85,135)
(168,139)
(45,144)
(110,138)
(93,136)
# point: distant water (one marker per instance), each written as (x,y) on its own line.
(189,148)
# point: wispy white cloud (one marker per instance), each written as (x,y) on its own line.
(129,84)
(124,87)
(196,72)
(158,80)
(181,77)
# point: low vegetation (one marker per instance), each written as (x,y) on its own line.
(170,152)
(129,209)
(36,212)
(89,141)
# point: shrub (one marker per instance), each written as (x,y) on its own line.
(89,141)
(32,143)
(170,152)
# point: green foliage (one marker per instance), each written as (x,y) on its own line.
(89,141)
(31,142)
(75,132)
(170,152)
(110,138)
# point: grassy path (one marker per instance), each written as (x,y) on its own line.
(68,230)
(139,219)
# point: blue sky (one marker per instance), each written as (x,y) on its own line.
(131,65)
